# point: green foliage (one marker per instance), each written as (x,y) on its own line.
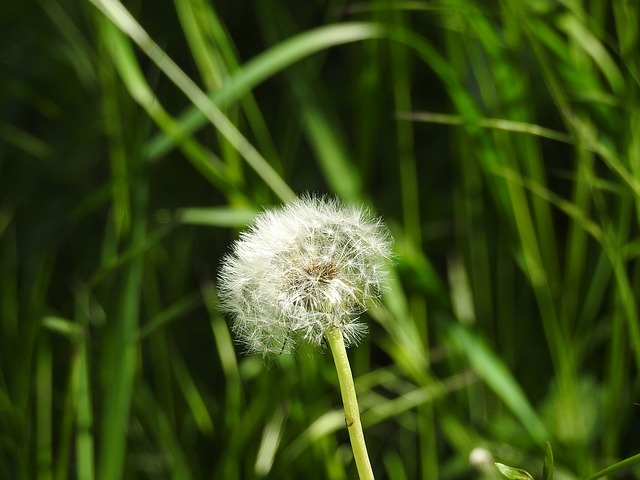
(500,142)
(547,470)
(513,473)
(519,474)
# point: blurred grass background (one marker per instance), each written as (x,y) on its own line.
(500,140)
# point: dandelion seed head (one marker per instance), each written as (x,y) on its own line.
(312,264)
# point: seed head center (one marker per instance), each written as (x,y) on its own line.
(321,271)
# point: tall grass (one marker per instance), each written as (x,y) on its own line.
(499,140)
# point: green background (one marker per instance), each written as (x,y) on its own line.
(500,141)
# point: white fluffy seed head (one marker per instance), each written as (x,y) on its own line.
(300,269)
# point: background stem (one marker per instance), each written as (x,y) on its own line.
(351,410)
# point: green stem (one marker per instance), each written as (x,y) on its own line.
(351,410)
(618,466)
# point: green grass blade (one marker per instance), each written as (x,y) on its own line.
(616,467)
(117,13)
(180,308)
(496,375)
(44,409)
(85,462)
(268,64)
(216,216)
(548,468)
(120,369)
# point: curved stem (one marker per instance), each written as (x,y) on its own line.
(350,401)
(618,466)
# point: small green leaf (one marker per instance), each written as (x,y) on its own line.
(513,473)
(547,469)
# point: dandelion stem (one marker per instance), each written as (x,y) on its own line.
(351,410)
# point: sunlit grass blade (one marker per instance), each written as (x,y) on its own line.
(208,164)
(117,13)
(490,123)
(217,58)
(269,63)
(586,39)
(216,216)
(269,443)
(63,327)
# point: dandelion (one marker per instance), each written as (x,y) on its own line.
(303,269)
(305,272)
